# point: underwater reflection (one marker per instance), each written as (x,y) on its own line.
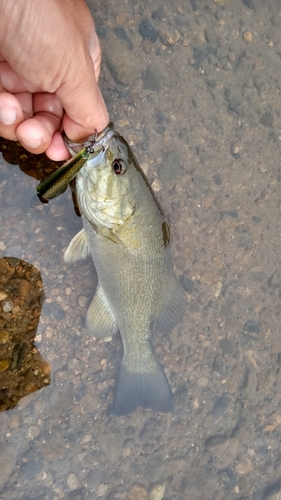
(22,369)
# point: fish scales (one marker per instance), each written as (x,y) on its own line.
(126,233)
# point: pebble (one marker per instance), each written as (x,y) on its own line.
(147,31)
(3,296)
(187,284)
(224,449)
(7,306)
(4,336)
(82,300)
(122,62)
(267,119)
(221,406)
(247,37)
(8,460)
(4,364)
(137,492)
(170,37)
(235,148)
(102,490)
(251,326)
(122,35)
(33,432)
(73,482)
(157,492)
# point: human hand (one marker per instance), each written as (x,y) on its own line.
(49,67)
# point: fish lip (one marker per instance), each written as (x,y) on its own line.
(102,140)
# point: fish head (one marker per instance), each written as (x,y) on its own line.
(104,184)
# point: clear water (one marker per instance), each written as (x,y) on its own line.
(201,108)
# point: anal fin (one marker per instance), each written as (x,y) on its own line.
(100,321)
(78,248)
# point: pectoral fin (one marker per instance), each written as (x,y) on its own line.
(100,321)
(78,248)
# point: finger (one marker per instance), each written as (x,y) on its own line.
(57,150)
(36,134)
(14,109)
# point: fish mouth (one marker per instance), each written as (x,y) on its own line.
(102,140)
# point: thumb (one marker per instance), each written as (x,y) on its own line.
(85,109)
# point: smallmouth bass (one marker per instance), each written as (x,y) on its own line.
(125,232)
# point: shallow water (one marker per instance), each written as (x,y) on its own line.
(201,108)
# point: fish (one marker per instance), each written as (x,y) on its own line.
(127,235)
(56,183)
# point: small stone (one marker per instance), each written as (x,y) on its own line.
(33,432)
(137,492)
(220,406)
(45,368)
(247,37)
(244,466)
(262,168)
(4,336)
(157,492)
(235,148)
(147,31)
(251,326)
(72,482)
(202,381)
(187,284)
(3,296)
(4,364)
(170,37)
(82,300)
(7,306)
(266,119)
(224,449)
(156,185)
(231,56)
(122,62)
(102,490)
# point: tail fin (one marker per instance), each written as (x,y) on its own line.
(149,390)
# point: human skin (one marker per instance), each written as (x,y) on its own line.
(49,68)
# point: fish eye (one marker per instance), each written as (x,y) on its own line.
(118,167)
